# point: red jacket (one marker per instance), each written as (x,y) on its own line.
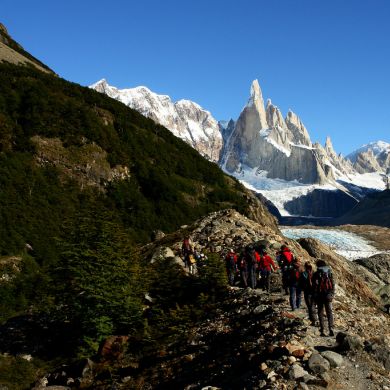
(266,263)
(228,257)
(286,257)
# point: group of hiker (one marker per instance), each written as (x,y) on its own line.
(254,268)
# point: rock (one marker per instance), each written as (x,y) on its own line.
(348,342)
(296,371)
(261,309)
(157,235)
(318,364)
(263,367)
(380,349)
(379,265)
(335,359)
(303,386)
(291,360)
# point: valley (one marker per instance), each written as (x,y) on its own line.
(101,187)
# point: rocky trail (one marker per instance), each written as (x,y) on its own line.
(251,339)
(257,342)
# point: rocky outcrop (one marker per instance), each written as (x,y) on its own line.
(374,209)
(321,203)
(184,118)
(87,164)
(379,265)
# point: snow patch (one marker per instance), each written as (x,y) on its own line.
(278,146)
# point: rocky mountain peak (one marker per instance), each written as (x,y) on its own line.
(371,157)
(256,103)
(329,147)
(297,128)
(274,116)
(100,86)
(256,90)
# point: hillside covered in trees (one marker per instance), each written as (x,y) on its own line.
(84,181)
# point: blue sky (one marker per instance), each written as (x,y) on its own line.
(327,60)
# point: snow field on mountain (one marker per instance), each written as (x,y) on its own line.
(366,180)
(278,191)
(346,244)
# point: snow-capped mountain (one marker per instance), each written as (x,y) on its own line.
(281,147)
(270,154)
(275,156)
(372,157)
(186,119)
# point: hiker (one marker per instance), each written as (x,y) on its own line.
(308,291)
(266,267)
(324,288)
(294,284)
(186,251)
(285,258)
(243,268)
(252,259)
(192,263)
(231,266)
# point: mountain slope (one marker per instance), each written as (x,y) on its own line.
(12,52)
(186,119)
(152,179)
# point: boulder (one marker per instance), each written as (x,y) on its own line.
(296,371)
(348,342)
(335,359)
(318,364)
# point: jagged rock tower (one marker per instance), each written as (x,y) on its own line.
(264,140)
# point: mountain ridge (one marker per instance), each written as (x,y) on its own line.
(262,146)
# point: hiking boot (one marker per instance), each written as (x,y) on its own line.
(331,333)
(322,334)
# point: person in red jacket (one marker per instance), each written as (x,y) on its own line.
(266,267)
(285,258)
(231,266)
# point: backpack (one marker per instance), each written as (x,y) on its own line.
(191,259)
(286,258)
(325,285)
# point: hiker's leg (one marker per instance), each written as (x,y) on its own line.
(311,308)
(298,297)
(329,313)
(292,297)
(320,306)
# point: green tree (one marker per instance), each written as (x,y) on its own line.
(100,283)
